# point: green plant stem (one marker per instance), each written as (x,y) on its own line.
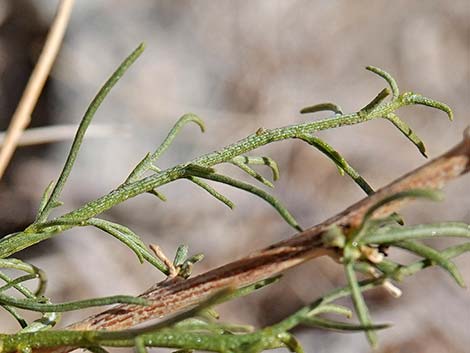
(394,234)
(92,109)
(33,305)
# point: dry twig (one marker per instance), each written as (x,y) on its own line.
(57,133)
(22,116)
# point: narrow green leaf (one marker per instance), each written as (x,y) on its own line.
(151,158)
(241,292)
(19,287)
(187,266)
(15,242)
(387,77)
(212,191)
(252,172)
(392,234)
(448,253)
(359,304)
(341,326)
(16,281)
(340,162)
(434,256)
(158,194)
(254,190)
(322,107)
(181,255)
(86,120)
(413,98)
(17,316)
(130,239)
(267,161)
(375,102)
(56,204)
(429,194)
(34,305)
(291,342)
(331,309)
(406,130)
(45,197)
(28,268)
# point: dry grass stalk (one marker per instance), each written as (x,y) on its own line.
(22,116)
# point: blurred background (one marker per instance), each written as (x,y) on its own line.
(240,66)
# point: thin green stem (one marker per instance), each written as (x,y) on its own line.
(394,234)
(151,158)
(34,305)
(89,114)
(359,303)
(433,256)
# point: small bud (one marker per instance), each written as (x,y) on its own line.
(372,254)
(392,289)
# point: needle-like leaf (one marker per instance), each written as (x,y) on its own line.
(243,166)
(146,163)
(77,142)
(129,238)
(322,107)
(359,304)
(212,191)
(252,189)
(406,131)
(393,234)
(433,256)
(341,326)
(340,162)
(387,77)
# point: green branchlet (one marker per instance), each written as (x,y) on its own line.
(202,167)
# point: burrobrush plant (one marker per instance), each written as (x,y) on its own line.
(357,238)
